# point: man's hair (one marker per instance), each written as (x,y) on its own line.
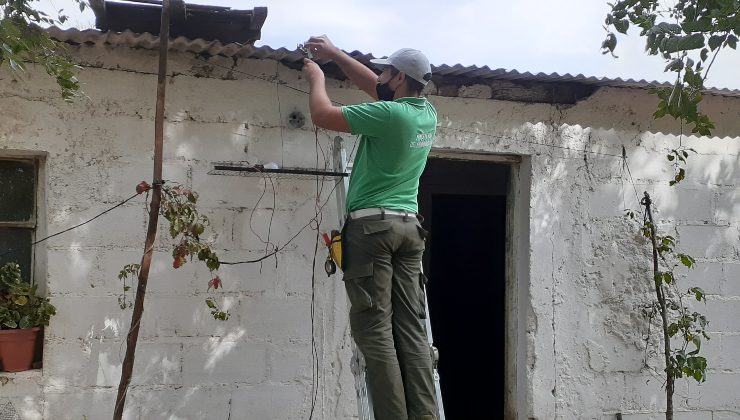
(414,85)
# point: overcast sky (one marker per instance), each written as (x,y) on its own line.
(562,36)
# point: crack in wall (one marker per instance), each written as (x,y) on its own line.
(554,333)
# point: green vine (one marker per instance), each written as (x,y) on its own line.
(186,225)
(680,325)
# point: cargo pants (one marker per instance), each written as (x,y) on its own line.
(385,286)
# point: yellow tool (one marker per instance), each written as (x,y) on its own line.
(334,245)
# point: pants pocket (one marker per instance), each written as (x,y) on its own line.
(358,281)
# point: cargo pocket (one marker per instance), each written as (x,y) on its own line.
(422,232)
(422,296)
(358,280)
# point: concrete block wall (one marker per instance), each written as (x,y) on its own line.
(588,267)
(590,271)
(256,365)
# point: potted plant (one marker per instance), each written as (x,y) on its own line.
(22,314)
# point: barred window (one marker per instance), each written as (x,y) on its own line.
(18,185)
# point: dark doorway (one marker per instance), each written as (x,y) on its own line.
(464,203)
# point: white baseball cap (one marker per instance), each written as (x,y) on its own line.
(410,61)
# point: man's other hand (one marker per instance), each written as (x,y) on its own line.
(311,71)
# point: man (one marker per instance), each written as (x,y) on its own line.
(383,241)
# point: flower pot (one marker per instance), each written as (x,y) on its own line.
(17,349)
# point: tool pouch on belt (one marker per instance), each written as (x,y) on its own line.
(334,245)
(335,249)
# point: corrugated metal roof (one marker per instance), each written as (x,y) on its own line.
(188,20)
(295,57)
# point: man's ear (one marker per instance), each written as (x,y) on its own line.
(401,78)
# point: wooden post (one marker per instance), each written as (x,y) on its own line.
(660,294)
(146,259)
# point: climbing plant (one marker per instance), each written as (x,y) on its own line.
(186,225)
(683,329)
(688,34)
(24,42)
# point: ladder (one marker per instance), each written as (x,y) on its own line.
(359,369)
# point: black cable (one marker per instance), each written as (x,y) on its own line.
(76,226)
(627,166)
(267,243)
(277,250)
(319,217)
(292,238)
(314,350)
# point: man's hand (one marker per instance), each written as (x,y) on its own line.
(312,72)
(322,48)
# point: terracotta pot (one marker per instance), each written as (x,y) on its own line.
(17,349)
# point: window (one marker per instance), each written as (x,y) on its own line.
(18,185)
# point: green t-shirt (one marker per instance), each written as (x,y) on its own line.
(395,142)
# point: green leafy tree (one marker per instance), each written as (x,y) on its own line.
(688,34)
(23,41)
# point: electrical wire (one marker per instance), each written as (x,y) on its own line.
(10,251)
(318,215)
(265,177)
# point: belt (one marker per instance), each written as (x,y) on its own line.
(376,211)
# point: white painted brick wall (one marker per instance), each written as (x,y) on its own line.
(223,361)
(589,269)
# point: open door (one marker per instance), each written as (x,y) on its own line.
(464,203)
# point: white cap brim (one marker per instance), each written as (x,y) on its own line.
(380,62)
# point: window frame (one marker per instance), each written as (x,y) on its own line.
(37,224)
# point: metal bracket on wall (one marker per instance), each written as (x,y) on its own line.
(244,169)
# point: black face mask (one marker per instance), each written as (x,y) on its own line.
(384,92)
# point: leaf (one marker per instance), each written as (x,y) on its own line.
(214,283)
(698,293)
(609,44)
(20,300)
(696,341)
(668,28)
(732,41)
(211,303)
(681,175)
(668,277)
(25,323)
(621,25)
(675,65)
(703,24)
(715,41)
(704,54)
(212,263)
(691,42)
